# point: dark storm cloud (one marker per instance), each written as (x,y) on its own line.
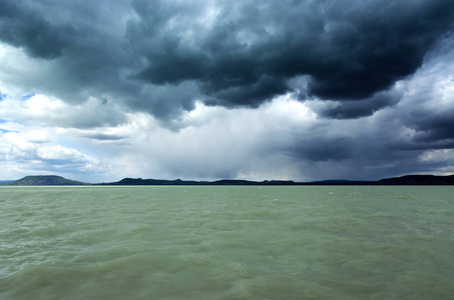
(23,27)
(230,53)
(434,127)
(77,43)
(355,151)
(324,150)
(350,50)
(251,95)
(236,53)
(104,136)
(357,109)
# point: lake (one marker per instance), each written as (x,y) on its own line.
(227,242)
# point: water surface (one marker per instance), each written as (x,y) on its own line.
(227,242)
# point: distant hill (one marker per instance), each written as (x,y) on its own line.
(43,180)
(417,180)
(140,181)
(403,180)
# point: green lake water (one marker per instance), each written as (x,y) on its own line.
(233,242)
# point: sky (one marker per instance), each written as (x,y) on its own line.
(208,89)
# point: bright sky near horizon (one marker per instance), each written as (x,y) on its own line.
(302,90)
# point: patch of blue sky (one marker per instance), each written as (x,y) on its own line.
(6,130)
(29,95)
(3,96)
(7,121)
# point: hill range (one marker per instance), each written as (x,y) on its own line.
(53,180)
(46,180)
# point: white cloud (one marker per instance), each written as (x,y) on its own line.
(33,152)
(40,110)
(213,142)
(39,136)
(444,155)
(17,142)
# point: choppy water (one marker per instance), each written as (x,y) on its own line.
(226,243)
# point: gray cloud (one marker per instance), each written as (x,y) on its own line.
(22,26)
(435,128)
(349,50)
(355,150)
(357,109)
(236,53)
(370,77)
(104,136)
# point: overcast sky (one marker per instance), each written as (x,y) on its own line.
(200,89)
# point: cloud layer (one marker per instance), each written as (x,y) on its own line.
(162,56)
(211,89)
